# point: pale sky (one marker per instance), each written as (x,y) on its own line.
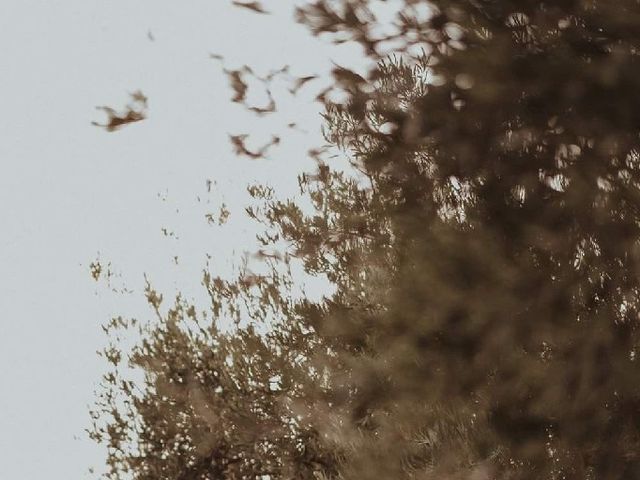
(69,190)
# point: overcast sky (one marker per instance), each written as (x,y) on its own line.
(70,192)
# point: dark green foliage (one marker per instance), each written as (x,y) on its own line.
(485,257)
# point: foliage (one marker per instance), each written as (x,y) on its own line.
(484,255)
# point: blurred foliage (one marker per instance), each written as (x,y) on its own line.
(484,254)
(134,111)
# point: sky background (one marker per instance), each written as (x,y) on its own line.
(71,192)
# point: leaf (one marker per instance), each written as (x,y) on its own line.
(254,6)
(270,108)
(300,82)
(238,85)
(238,142)
(133,112)
(347,78)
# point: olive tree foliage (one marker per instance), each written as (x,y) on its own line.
(483,249)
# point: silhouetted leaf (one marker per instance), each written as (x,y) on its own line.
(254,6)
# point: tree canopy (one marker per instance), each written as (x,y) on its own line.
(483,251)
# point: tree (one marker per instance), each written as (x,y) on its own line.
(484,254)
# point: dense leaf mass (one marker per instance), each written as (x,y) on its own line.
(484,254)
